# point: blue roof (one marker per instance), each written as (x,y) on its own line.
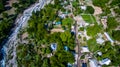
(72,32)
(66,48)
(66,12)
(104,60)
(57,23)
(69,65)
(84,65)
(53,46)
(46,25)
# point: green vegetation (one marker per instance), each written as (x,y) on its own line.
(22,5)
(5,26)
(68,22)
(89,18)
(108,51)
(93,30)
(77,11)
(93,45)
(38,53)
(117,11)
(116,35)
(111,52)
(100,3)
(76,7)
(112,23)
(89,10)
(75,3)
(104,5)
(65,36)
(35,53)
(7,20)
(115,2)
(2,7)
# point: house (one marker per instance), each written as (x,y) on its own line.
(85,49)
(53,46)
(99,53)
(46,25)
(100,40)
(62,16)
(66,48)
(76,58)
(73,29)
(105,61)
(104,23)
(58,23)
(69,65)
(84,65)
(65,2)
(108,37)
(93,63)
(49,55)
(83,7)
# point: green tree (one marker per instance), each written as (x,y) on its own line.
(48,50)
(92,45)
(100,3)
(116,35)
(112,23)
(90,10)
(16,5)
(67,21)
(1,5)
(93,30)
(65,36)
(45,63)
(5,15)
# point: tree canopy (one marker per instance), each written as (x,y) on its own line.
(90,10)
(40,39)
(93,30)
(100,3)
(116,35)
(112,23)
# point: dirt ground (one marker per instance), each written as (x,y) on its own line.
(98,10)
(57,30)
(12,10)
(24,35)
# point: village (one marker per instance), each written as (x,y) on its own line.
(79,21)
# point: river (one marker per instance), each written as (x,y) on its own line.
(9,48)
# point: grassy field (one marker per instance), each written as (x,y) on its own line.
(89,18)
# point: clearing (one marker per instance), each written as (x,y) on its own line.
(89,18)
